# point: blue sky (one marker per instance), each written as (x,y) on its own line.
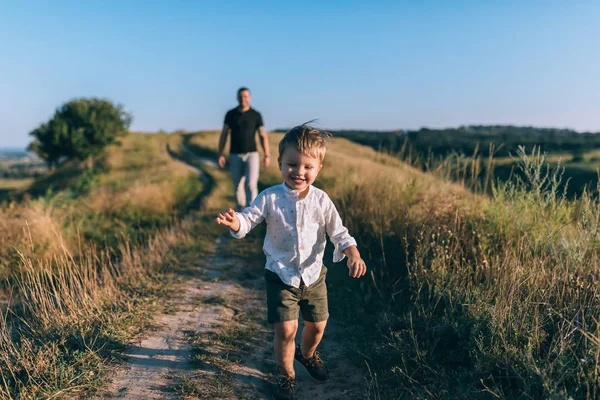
(351,64)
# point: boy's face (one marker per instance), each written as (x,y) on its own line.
(298,171)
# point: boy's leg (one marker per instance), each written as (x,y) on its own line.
(315,313)
(284,343)
(311,337)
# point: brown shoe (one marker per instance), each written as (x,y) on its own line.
(285,388)
(314,365)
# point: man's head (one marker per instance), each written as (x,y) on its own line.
(244,97)
(301,154)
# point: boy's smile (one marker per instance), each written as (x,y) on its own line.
(297,170)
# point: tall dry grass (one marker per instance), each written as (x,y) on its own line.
(84,265)
(468,296)
(476,297)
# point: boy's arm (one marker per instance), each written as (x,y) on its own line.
(229,219)
(250,217)
(356,264)
(338,233)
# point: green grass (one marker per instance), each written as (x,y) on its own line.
(205,386)
(98,256)
(501,301)
(9,186)
(14,183)
(580,170)
(468,297)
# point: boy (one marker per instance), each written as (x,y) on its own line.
(297,215)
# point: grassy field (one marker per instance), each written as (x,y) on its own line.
(8,186)
(468,296)
(477,154)
(579,171)
(85,257)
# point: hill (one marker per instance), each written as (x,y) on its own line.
(467,296)
(479,154)
(470,296)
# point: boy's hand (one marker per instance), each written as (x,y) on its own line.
(356,264)
(229,219)
(357,267)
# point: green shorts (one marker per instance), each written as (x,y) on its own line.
(283,301)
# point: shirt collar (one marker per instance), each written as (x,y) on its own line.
(290,193)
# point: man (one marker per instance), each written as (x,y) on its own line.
(244,122)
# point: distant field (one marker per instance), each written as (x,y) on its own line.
(18,170)
(12,153)
(587,160)
(14,183)
(462,154)
(580,171)
(9,185)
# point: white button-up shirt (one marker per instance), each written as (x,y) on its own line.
(295,240)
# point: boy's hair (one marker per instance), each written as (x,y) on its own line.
(240,90)
(309,141)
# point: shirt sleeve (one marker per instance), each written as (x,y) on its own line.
(228,119)
(251,216)
(338,233)
(259,120)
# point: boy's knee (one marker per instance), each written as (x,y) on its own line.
(316,327)
(286,330)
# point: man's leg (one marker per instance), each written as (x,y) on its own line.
(284,343)
(237,176)
(252,166)
(311,337)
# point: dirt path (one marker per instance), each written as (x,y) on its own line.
(216,343)
(172,361)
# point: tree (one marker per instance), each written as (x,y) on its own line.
(80,130)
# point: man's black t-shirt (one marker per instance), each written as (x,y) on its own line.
(243,129)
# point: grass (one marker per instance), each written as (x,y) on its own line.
(580,170)
(497,294)
(9,186)
(468,296)
(215,300)
(205,386)
(85,262)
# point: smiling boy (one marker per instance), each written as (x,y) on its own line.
(298,215)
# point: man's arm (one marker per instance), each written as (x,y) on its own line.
(222,142)
(264,142)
